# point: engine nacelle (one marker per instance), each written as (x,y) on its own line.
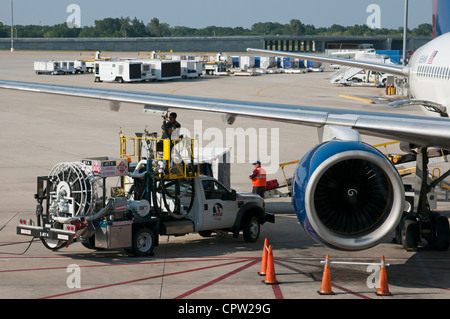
(347,195)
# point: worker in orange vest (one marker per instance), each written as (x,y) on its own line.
(258,178)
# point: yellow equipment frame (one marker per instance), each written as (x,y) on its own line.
(177,168)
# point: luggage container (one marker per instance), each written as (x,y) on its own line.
(80,66)
(165,69)
(246,62)
(189,69)
(122,71)
(47,67)
(67,67)
(267,62)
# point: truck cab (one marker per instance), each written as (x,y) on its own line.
(217,207)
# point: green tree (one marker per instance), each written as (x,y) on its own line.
(179,31)
(157,29)
(424,29)
(138,28)
(271,28)
(296,27)
(3,31)
(109,27)
(336,29)
(61,31)
(125,27)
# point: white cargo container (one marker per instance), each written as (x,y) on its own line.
(47,67)
(122,71)
(67,66)
(191,69)
(246,62)
(164,69)
(267,62)
(80,66)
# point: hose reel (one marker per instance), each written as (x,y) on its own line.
(73,192)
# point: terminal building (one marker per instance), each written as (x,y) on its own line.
(214,44)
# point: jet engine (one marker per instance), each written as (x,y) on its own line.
(347,195)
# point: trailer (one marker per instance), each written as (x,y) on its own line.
(80,66)
(162,194)
(164,69)
(47,67)
(67,67)
(122,71)
(191,69)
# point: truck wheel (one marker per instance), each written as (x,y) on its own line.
(410,233)
(441,238)
(205,233)
(89,242)
(251,228)
(52,244)
(143,242)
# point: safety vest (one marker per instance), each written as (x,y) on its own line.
(260,179)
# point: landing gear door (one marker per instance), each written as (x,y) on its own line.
(219,206)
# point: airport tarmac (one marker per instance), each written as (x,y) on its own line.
(38,131)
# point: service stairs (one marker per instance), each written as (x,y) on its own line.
(344,75)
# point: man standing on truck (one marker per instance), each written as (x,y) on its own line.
(170,126)
(258,178)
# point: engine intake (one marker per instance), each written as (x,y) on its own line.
(347,195)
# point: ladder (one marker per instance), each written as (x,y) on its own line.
(343,75)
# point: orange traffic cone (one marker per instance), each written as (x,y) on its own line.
(325,289)
(383,288)
(262,272)
(270,276)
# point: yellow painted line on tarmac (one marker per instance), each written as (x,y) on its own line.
(267,87)
(362,99)
(184,87)
(180,88)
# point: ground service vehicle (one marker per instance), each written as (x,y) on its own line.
(161,194)
(122,71)
(48,67)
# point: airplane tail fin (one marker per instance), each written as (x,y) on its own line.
(441,17)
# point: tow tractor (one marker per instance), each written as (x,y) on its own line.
(159,190)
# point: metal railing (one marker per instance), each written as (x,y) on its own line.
(179,157)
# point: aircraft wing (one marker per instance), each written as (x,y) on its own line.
(361,213)
(421,131)
(394,69)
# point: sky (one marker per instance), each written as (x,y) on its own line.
(228,13)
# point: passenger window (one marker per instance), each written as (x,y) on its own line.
(213,190)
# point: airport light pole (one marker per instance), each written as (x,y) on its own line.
(12,26)
(405,31)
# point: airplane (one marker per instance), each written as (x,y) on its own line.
(428,72)
(347,195)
